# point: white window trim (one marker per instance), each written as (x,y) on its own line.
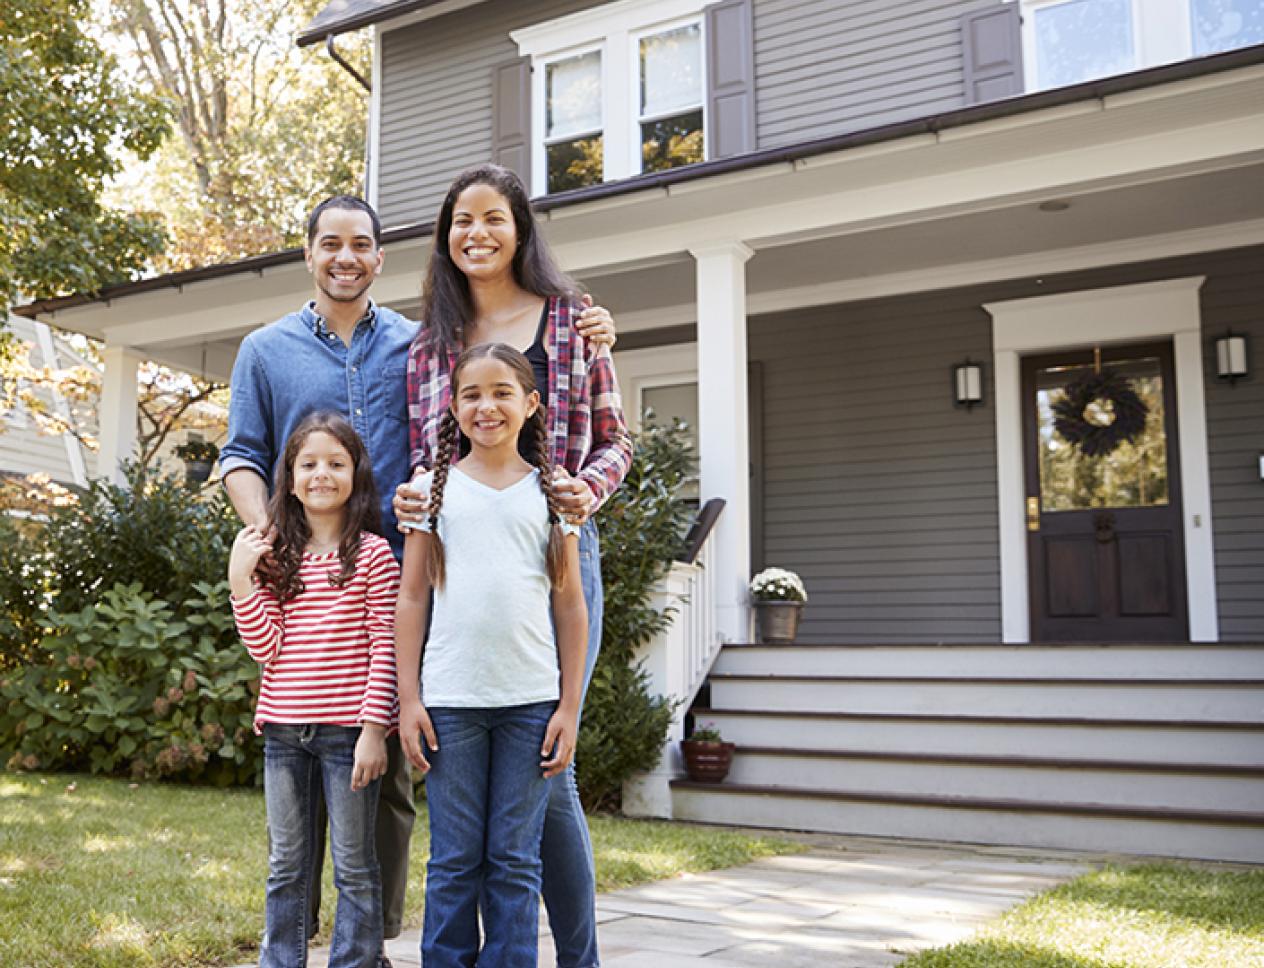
(1162,310)
(1161,29)
(615,29)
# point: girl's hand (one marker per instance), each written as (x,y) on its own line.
(596,324)
(411,504)
(574,495)
(559,740)
(249,547)
(414,724)
(370,756)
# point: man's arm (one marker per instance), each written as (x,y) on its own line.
(249,496)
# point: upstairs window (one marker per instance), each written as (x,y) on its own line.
(617,90)
(1070,41)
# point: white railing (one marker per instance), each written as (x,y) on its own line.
(677,661)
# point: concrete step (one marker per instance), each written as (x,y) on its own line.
(1209,700)
(1183,661)
(1190,786)
(1221,835)
(1060,737)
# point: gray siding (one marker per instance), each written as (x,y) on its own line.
(437,99)
(883,495)
(822,67)
(825,68)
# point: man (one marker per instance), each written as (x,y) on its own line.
(341,352)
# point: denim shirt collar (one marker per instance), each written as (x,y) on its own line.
(316,322)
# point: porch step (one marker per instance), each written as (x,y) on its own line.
(1145,749)
(1216,744)
(1203,834)
(1202,699)
(1167,661)
(1176,786)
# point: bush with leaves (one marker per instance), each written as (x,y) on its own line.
(125,686)
(642,525)
(24,588)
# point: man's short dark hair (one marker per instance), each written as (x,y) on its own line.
(350,202)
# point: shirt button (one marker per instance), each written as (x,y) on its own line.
(359,411)
(355,368)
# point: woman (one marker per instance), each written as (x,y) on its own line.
(492,278)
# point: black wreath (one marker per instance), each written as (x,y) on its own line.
(1093,439)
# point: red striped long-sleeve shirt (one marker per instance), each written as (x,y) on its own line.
(328,655)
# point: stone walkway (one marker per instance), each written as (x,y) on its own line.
(847,902)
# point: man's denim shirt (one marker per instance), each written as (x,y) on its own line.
(295,366)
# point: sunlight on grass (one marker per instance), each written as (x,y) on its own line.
(116,875)
(1157,915)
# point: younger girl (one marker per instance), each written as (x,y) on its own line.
(496,720)
(321,627)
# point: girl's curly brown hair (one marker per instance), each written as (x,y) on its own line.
(286,514)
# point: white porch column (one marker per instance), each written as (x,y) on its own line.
(117,415)
(723,425)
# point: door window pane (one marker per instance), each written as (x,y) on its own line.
(1083,39)
(1226,24)
(679,401)
(1133,475)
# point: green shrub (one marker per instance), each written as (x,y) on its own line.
(642,525)
(126,686)
(24,588)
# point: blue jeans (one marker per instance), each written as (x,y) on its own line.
(487,797)
(301,762)
(570,884)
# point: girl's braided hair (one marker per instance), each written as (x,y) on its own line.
(285,511)
(535,432)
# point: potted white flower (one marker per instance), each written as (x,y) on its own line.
(778,596)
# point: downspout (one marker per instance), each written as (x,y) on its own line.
(368,137)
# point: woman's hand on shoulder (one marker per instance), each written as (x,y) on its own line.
(370,756)
(559,741)
(596,324)
(411,503)
(414,727)
(573,494)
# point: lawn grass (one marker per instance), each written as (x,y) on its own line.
(107,874)
(1160,915)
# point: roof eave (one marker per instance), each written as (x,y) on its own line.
(316,33)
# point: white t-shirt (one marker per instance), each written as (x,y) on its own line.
(491,637)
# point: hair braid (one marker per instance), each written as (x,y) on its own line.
(554,554)
(443,462)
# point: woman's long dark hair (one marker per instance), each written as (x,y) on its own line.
(286,514)
(537,433)
(446,306)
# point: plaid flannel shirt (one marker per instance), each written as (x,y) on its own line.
(587,433)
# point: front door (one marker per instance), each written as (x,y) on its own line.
(1105,547)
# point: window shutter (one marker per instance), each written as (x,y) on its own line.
(730,79)
(511,117)
(993,47)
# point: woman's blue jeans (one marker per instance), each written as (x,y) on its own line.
(570,884)
(301,762)
(487,797)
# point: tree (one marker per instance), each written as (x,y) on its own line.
(263,130)
(65,116)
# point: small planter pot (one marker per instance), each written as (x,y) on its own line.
(197,471)
(707,762)
(777,622)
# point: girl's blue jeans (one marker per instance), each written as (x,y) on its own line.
(570,885)
(487,798)
(300,762)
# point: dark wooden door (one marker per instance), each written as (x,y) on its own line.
(1106,554)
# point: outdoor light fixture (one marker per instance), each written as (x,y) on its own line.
(967,384)
(1231,357)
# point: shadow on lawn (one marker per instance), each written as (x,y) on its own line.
(1210,898)
(1002,954)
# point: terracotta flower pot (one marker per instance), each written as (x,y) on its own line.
(705,761)
(777,622)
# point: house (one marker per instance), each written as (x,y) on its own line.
(870,243)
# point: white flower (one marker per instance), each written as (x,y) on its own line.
(777,585)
